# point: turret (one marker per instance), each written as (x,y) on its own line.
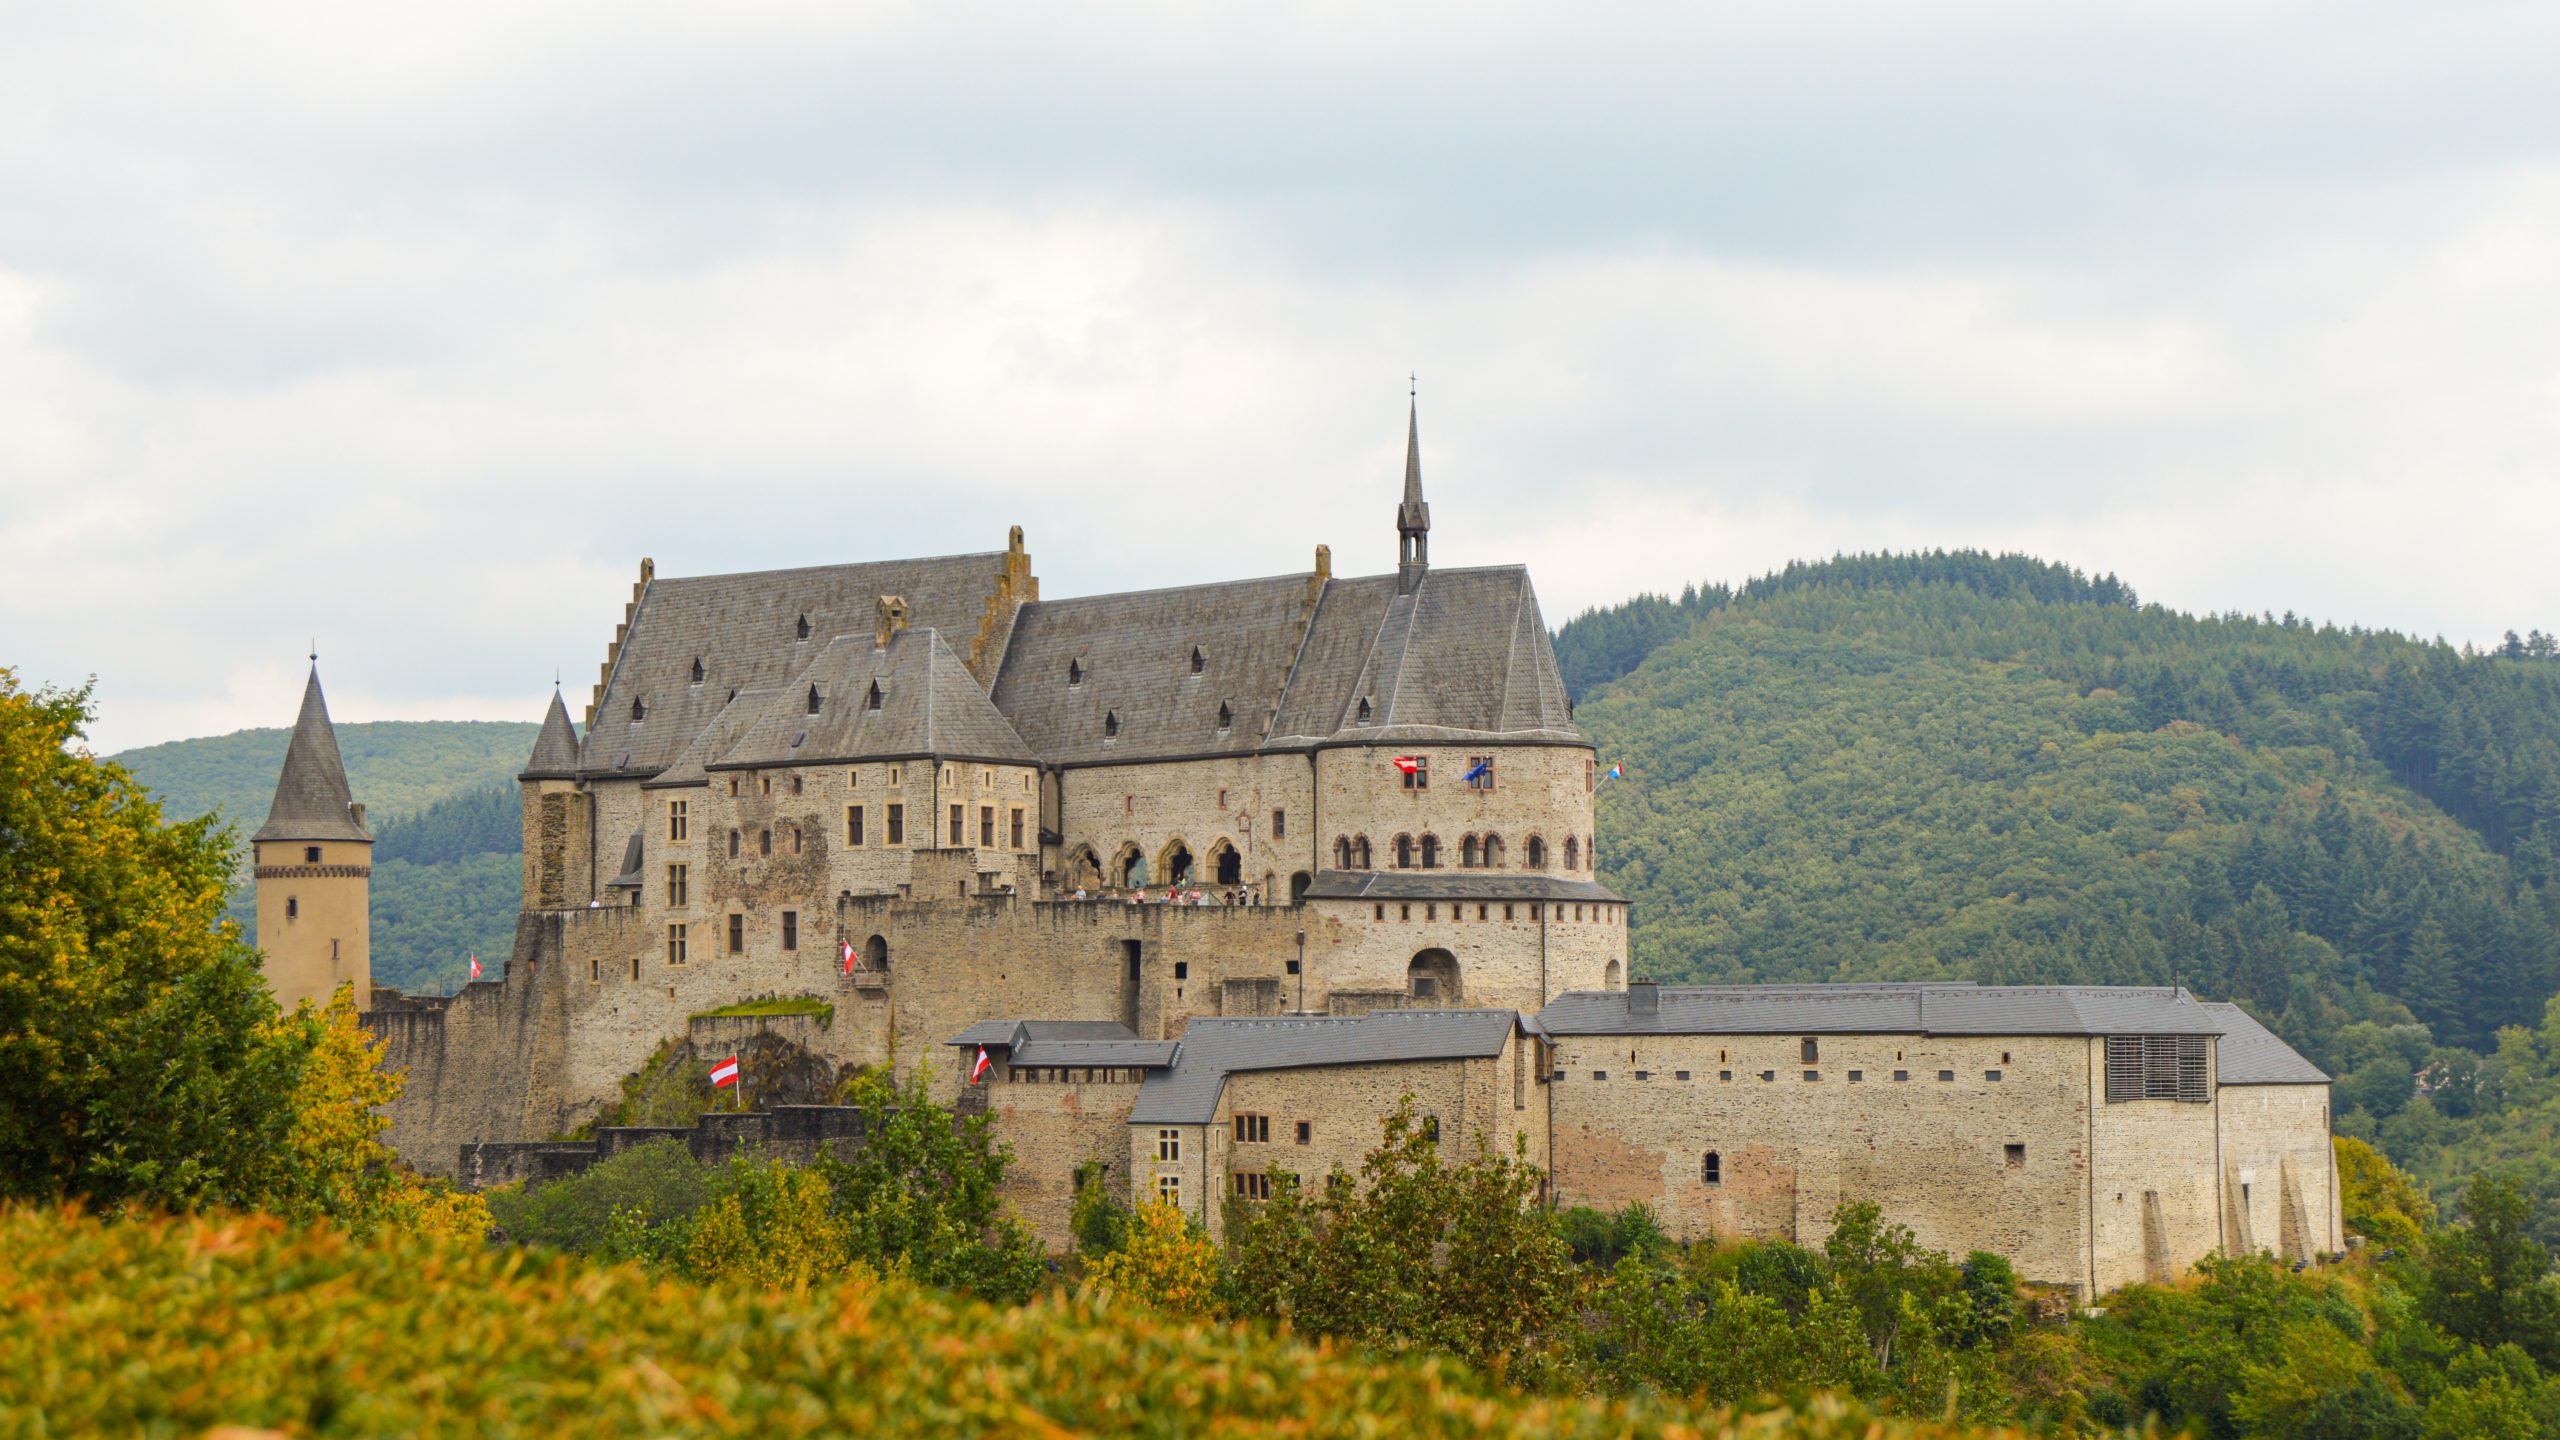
(1413,515)
(314,865)
(556,820)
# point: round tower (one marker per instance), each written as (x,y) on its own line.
(314,862)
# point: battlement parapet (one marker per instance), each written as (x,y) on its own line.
(794,1134)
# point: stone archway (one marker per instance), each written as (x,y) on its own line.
(1176,864)
(1613,978)
(1084,868)
(1226,867)
(875,953)
(1298,884)
(1432,979)
(1129,866)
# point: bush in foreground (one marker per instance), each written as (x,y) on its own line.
(171,1326)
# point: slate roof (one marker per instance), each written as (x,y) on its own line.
(1927,1009)
(692,764)
(555,751)
(2250,1054)
(929,705)
(1454,885)
(744,630)
(1467,654)
(311,791)
(1211,1049)
(1068,1043)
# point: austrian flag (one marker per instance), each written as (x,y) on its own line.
(1408,764)
(978,1071)
(848,957)
(475,967)
(725,1073)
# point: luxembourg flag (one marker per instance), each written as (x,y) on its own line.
(978,1071)
(725,1073)
(1408,764)
(1614,772)
(475,967)
(848,957)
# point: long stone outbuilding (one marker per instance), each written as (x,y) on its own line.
(919,794)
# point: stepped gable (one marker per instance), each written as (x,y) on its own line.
(1466,654)
(692,767)
(312,801)
(929,705)
(1133,651)
(555,751)
(744,629)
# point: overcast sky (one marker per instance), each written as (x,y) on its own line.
(413,330)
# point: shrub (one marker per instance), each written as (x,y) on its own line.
(1169,1262)
(651,1185)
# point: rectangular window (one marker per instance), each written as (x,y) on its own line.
(959,818)
(1813,1074)
(1724,1075)
(1991,1075)
(737,934)
(1306,1132)
(1017,827)
(893,777)
(853,779)
(853,824)
(897,824)
(1599,1074)
(1901,1074)
(1253,1185)
(1506,911)
(2157,1067)
(1679,1074)
(2014,1156)
(1168,1145)
(1768,1076)
(676,819)
(1169,1189)
(1279,824)
(1253,1129)
(1808,1052)
(1945,1076)
(986,827)
(1222,797)
(675,944)
(733,786)
(795,839)
(1479,772)
(790,929)
(1856,1076)
(675,887)
(764,842)
(1419,777)
(764,784)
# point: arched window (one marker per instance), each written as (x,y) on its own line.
(1467,853)
(1404,852)
(1432,978)
(1298,883)
(1430,852)
(1572,853)
(1360,852)
(1492,854)
(697,670)
(1177,864)
(1711,1169)
(875,952)
(1341,852)
(1225,865)
(813,699)
(1537,853)
(1613,978)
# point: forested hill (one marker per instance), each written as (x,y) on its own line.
(1964,765)
(440,798)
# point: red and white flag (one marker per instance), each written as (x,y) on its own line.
(978,1071)
(848,957)
(1408,764)
(475,967)
(725,1073)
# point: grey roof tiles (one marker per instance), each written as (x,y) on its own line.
(1214,1048)
(1961,1009)
(928,704)
(555,751)
(2250,1054)
(311,800)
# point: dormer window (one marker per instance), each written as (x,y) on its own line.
(1199,662)
(1110,723)
(639,710)
(813,699)
(1075,672)
(1364,709)
(872,702)
(1226,715)
(804,627)
(697,670)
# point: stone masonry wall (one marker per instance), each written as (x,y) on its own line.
(2155,1199)
(1106,811)
(1538,790)
(2279,1179)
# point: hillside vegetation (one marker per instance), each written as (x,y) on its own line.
(1969,766)
(394,767)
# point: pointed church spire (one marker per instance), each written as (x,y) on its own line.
(1413,514)
(555,753)
(311,801)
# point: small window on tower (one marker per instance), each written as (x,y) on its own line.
(292,907)
(310,854)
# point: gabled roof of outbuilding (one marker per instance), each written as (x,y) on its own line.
(555,751)
(929,705)
(311,800)
(1455,885)
(1214,1048)
(1925,1009)
(744,630)
(2250,1053)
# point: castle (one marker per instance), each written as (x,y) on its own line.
(955,811)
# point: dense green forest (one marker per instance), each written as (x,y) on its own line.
(440,798)
(1968,766)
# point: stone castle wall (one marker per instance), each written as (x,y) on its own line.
(2279,1174)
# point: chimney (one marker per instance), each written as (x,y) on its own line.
(355,812)
(893,618)
(1643,998)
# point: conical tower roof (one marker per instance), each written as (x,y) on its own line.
(555,754)
(312,802)
(1412,514)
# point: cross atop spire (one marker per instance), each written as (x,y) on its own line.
(1413,514)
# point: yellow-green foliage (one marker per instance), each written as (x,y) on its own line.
(1169,1262)
(776,1228)
(778,1005)
(2379,1201)
(172,1326)
(340,1166)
